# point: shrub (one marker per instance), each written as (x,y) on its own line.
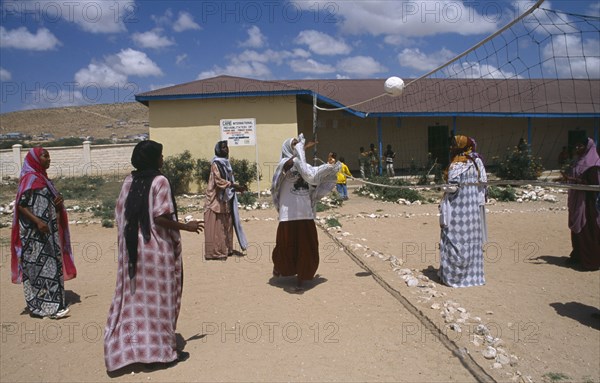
(502,194)
(179,170)
(519,164)
(80,187)
(69,141)
(244,171)
(333,222)
(390,194)
(246,198)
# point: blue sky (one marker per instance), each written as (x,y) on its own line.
(82,52)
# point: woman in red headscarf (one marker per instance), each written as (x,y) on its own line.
(41,255)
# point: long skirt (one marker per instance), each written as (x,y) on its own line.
(586,243)
(296,249)
(218,235)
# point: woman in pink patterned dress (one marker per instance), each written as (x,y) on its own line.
(143,315)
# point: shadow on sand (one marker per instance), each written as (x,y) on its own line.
(288,284)
(584,314)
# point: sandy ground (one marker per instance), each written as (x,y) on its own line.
(358,320)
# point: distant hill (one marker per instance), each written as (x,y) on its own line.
(98,121)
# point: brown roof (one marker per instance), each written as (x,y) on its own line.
(425,96)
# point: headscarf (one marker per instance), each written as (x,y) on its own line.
(287,152)
(34,177)
(576,199)
(146,159)
(462,151)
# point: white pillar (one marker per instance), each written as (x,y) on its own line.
(87,158)
(17,158)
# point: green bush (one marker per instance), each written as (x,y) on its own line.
(202,171)
(85,187)
(179,170)
(244,171)
(106,210)
(70,141)
(246,198)
(333,222)
(519,164)
(502,194)
(389,194)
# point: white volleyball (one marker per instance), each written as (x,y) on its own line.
(394,86)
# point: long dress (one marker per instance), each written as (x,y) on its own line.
(586,242)
(141,326)
(464,227)
(41,257)
(218,220)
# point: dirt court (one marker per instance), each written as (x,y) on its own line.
(358,321)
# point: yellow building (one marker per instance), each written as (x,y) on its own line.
(547,113)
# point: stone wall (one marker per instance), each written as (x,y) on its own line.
(74,161)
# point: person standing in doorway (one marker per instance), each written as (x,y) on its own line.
(389,160)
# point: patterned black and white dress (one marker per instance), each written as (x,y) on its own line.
(463,224)
(43,281)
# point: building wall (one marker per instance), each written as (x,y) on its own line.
(194,125)
(345,134)
(74,161)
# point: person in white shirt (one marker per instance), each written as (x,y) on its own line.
(296,188)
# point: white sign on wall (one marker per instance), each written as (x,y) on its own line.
(239,132)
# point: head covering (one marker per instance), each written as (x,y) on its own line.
(576,199)
(146,159)
(461,150)
(34,177)
(287,152)
(219,152)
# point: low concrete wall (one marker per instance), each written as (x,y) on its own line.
(74,161)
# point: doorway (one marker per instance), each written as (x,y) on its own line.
(438,144)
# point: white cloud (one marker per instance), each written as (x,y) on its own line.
(414,58)
(101,75)
(115,69)
(566,56)
(185,22)
(43,98)
(152,39)
(406,17)
(155,86)
(90,15)
(5,75)
(477,70)
(255,38)
(310,66)
(240,69)
(21,38)
(321,43)
(181,58)
(254,64)
(360,66)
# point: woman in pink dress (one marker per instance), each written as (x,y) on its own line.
(143,315)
